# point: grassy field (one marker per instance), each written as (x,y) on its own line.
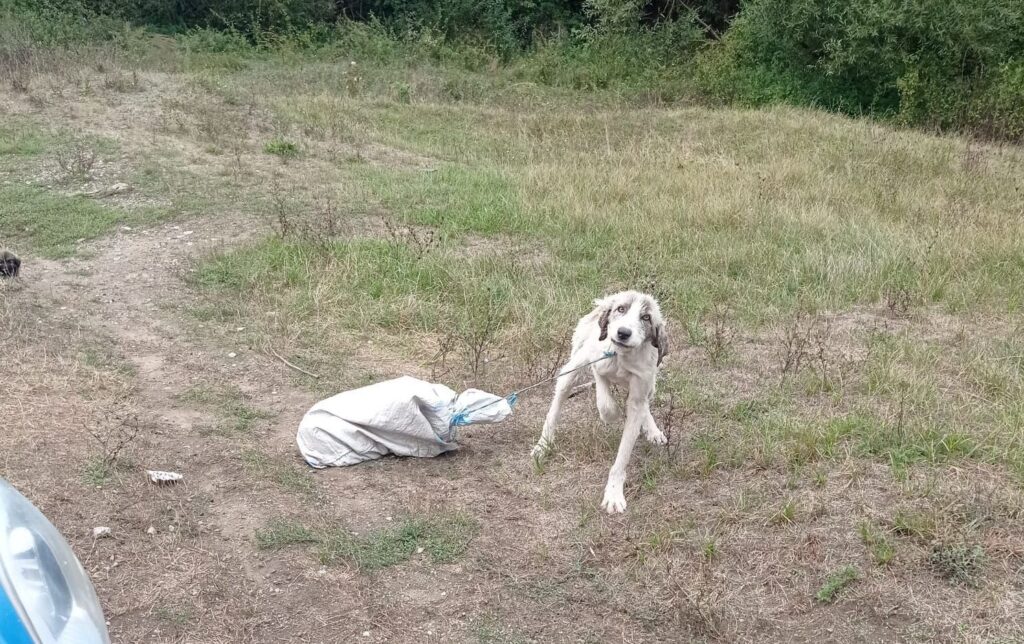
(844,398)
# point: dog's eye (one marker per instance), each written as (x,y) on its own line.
(645,317)
(621,309)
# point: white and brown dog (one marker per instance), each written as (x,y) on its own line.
(630,325)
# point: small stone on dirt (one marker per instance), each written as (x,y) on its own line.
(232,354)
(100,531)
(150,530)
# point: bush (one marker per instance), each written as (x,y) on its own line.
(47,24)
(254,18)
(928,63)
(618,52)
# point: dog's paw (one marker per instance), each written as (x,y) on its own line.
(656,437)
(614,502)
(540,451)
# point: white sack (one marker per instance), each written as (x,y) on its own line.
(404,416)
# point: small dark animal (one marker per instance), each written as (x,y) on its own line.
(9,264)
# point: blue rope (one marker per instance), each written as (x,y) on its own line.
(461,419)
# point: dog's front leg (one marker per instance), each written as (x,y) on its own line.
(606,407)
(614,499)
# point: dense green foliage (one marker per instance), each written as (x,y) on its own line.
(928,63)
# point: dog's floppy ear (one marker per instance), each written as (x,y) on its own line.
(659,336)
(605,306)
(660,339)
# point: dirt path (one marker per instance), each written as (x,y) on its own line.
(130,292)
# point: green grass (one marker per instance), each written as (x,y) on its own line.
(281,148)
(104,356)
(736,220)
(50,223)
(444,538)
(289,476)
(40,218)
(918,524)
(282,533)
(786,514)
(835,583)
(877,543)
(454,199)
(387,284)
(236,415)
(97,471)
(709,548)
(19,138)
(490,630)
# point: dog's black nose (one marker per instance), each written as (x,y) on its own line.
(624,334)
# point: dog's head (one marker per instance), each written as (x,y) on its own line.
(630,319)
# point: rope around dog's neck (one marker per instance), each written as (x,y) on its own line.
(460,419)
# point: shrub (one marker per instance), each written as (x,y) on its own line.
(618,51)
(928,63)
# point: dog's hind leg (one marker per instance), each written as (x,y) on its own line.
(651,431)
(563,388)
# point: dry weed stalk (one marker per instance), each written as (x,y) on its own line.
(421,242)
(114,431)
(718,344)
(320,225)
(698,604)
(806,343)
(76,162)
